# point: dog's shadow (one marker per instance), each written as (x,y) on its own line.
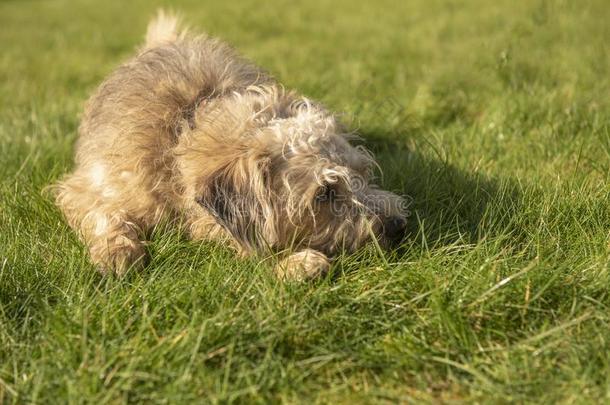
(447,205)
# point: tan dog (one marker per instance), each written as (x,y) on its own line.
(189,130)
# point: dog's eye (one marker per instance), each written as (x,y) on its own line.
(325,193)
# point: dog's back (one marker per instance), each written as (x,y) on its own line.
(159,87)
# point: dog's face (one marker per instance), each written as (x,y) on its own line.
(293,180)
(323,186)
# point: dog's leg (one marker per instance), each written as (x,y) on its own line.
(104,224)
(303,265)
(306,264)
(113,243)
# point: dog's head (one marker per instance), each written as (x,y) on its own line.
(277,171)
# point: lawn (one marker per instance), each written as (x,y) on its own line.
(492,117)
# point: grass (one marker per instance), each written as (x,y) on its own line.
(494,117)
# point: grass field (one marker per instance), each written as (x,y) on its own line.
(493,117)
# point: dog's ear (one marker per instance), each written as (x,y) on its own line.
(220,199)
(237,196)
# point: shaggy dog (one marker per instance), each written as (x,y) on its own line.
(189,130)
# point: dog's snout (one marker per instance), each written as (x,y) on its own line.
(394,227)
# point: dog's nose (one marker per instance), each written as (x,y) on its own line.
(394,227)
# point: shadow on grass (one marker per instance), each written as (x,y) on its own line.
(447,204)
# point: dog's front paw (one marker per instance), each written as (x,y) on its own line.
(119,257)
(304,265)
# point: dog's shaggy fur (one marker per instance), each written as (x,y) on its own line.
(189,130)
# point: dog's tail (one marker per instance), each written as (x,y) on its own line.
(163,29)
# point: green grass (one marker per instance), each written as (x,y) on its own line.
(494,117)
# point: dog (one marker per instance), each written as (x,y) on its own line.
(191,131)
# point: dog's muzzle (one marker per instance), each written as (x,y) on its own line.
(394,227)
